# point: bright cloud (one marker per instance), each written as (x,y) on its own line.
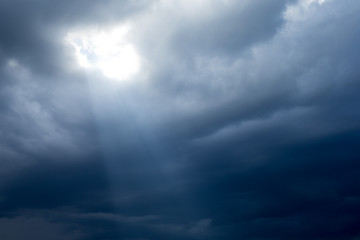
(106,50)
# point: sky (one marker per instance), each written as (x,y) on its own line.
(179,120)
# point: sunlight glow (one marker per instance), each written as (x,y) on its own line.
(106,50)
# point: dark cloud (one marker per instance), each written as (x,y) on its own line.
(32,32)
(23,228)
(242,123)
(55,185)
(240,25)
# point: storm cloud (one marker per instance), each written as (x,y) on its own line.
(238,119)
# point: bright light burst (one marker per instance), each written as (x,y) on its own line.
(106,50)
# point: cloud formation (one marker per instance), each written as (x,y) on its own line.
(242,121)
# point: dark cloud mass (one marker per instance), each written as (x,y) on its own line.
(240,120)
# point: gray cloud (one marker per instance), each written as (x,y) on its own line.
(242,122)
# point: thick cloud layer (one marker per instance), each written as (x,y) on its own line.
(241,123)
